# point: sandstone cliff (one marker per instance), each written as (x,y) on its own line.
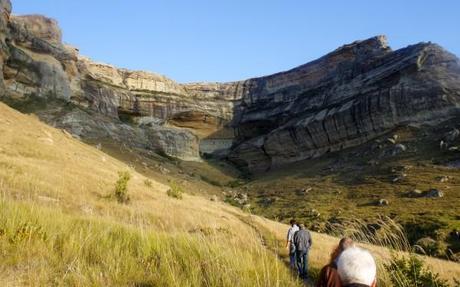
(343,99)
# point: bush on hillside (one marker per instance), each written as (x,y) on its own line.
(431,247)
(121,187)
(148,182)
(175,190)
(410,271)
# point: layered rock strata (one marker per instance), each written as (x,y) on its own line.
(343,99)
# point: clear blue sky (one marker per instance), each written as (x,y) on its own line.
(225,40)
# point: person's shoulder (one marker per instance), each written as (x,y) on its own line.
(326,275)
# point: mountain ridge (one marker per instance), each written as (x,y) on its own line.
(343,99)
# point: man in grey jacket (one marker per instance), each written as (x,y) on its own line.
(290,243)
(302,242)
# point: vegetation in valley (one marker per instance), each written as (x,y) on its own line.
(373,180)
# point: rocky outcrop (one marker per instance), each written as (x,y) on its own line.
(5,11)
(344,99)
(179,143)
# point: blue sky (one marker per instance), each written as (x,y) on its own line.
(212,40)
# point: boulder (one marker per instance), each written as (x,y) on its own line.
(243,196)
(382,202)
(391,140)
(313,213)
(266,201)
(306,190)
(443,145)
(452,135)
(399,178)
(399,148)
(427,245)
(434,193)
(443,178)
(415,193)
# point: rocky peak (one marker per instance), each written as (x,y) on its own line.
(375,46)
(38,26)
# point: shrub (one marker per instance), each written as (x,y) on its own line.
(431,247)
(175,190)
(148,182)
(121,187)
(410,271)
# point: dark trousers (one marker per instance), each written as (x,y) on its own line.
(302,263)
(292,261)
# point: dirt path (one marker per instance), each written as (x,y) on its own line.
(270,242)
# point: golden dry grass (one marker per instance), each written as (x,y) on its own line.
(60,185)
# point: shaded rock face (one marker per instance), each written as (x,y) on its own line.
(344,99)
(5,11)
(180,143)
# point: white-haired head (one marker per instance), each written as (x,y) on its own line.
(357,266)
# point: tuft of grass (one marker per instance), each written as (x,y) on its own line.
(148,182)
(121,187)
(175,190)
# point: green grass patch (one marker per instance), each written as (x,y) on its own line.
(175,190)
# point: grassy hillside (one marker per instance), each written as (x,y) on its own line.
(60,223)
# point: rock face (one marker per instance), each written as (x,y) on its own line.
(346,98)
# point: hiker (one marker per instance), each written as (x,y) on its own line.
(302,242)
(356,268)
(328,277)
(290,242)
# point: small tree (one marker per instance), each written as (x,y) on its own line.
(121,187)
